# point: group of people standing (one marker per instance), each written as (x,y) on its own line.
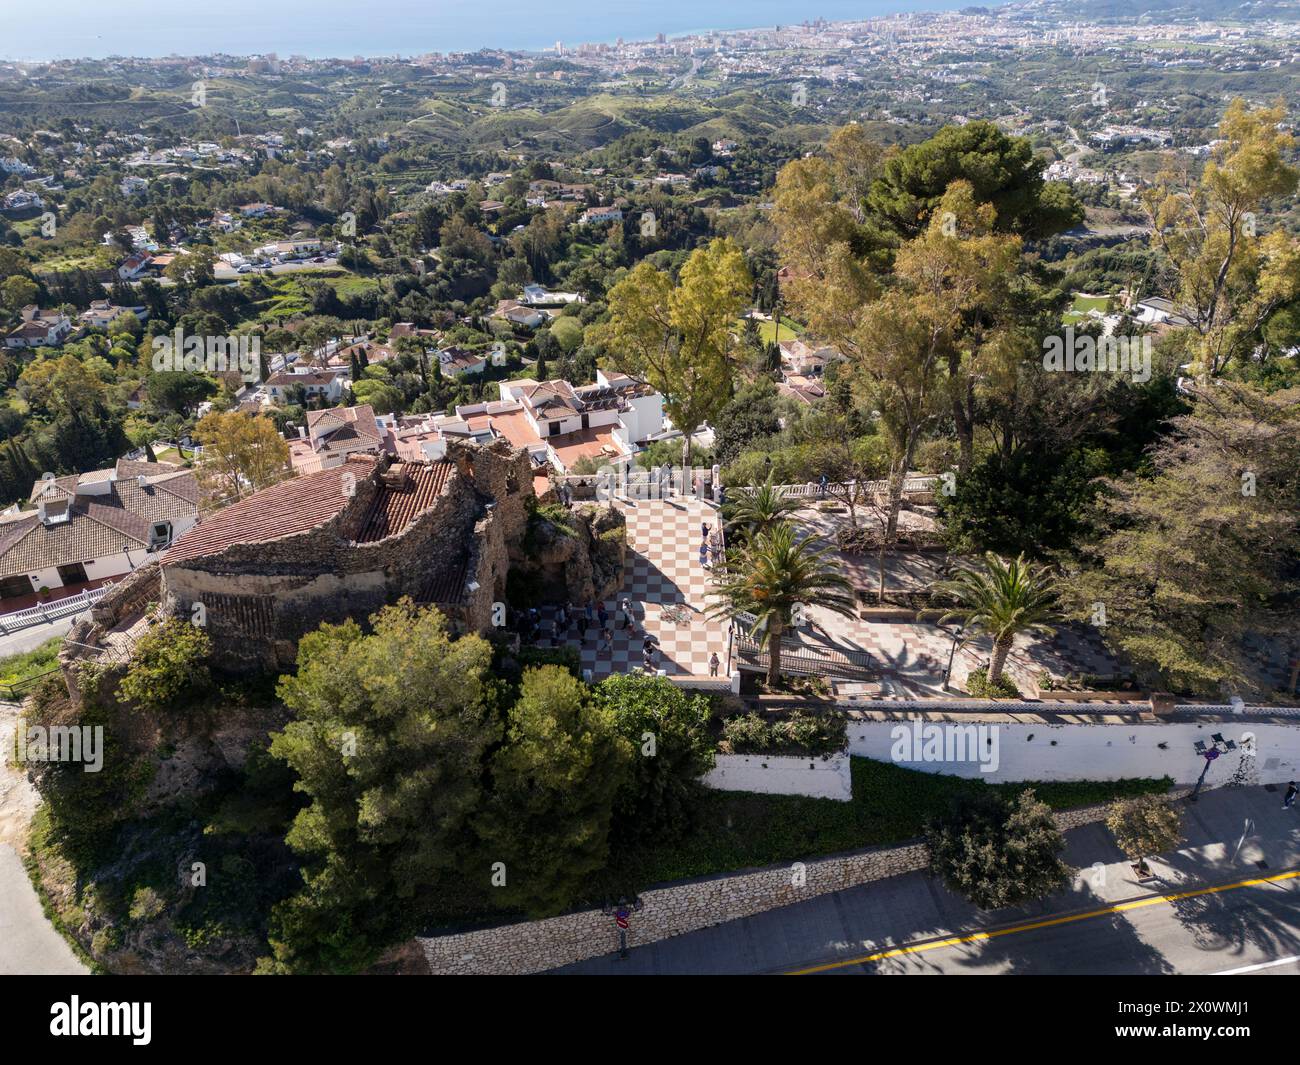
(710,546)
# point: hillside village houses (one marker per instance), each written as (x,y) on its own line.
(283,249)
(802,368)
(93,526)
(600,215)
(456,361)
(331,435)
(135,266)
(517,313)
(22,202)
(281,387)
(556,423)
(539,296)
(39,329)
(103,313)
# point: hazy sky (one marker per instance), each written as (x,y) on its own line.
(57,29)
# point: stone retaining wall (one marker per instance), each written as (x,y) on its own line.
(675,909)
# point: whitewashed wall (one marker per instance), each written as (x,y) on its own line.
(819,778)
(1089,751)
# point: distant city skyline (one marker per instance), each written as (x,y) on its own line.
(74,29)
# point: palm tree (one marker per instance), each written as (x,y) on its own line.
(762,508)
(775,573)
(1002,599)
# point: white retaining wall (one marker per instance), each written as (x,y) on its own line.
(1095,751)
(820,778)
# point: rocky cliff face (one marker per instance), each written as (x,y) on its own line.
(177,837)
(576,556)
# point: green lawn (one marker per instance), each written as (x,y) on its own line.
(738,830)
(1083,304)
(31,663)
(789,329)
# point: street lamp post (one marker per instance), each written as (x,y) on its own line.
(1219,746)
(952,653)
(622,911)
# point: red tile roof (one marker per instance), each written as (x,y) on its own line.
(395,506)
(285,509)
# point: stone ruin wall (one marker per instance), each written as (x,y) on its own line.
(260,599)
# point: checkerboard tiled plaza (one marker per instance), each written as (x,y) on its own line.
(663,571)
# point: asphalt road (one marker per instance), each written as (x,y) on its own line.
(1212,909)
(1223,931)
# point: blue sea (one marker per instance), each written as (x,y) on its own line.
(63,29)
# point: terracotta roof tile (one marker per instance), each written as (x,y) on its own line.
(394,507)
(294,506)
(98,525)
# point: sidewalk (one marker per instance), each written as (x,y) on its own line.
(29,945)
(1229,833)
(28,942)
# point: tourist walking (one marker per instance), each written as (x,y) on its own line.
(714,664)
(625,614)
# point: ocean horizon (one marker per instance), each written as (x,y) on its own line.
(321,29)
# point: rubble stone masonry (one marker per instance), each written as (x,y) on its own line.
(261,598)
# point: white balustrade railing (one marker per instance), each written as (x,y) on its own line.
(42,613)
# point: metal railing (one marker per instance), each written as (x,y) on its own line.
(43,613)
(808,660)
(911,486)
(17,691)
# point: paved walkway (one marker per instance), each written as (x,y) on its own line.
(1232,834)
(28,942)
(29,945)
(30,638)
(663,573)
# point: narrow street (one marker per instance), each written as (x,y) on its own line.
(1227,902)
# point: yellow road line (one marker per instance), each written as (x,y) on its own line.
(978,937)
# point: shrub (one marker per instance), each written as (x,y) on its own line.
(813,733)
(997,853)
(746,734)
(565,657)
(799,734)
(668,729)
(977,684)
(146,904)
(170,662)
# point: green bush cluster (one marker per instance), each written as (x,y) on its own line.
(978,685)
(800,733)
